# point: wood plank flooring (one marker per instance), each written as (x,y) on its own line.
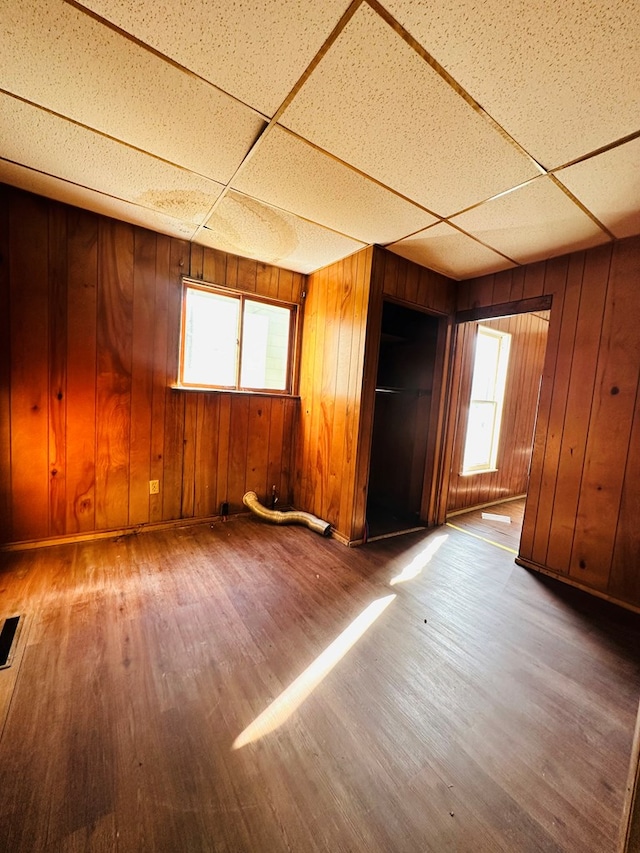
(483,708)
(498,532)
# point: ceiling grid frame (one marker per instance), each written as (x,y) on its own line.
(580,193)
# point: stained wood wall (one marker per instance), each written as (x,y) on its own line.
(526,359)
(338,368)
(331,365)
(581,517)
(89,327)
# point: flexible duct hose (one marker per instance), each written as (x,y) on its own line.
(276,516)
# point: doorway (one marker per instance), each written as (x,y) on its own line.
(401,420)
(485,476)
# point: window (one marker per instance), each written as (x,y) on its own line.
(234,341)
(487,397)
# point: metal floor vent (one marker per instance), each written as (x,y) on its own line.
(7,637)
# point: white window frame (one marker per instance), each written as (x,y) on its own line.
(499,380)
(242,297)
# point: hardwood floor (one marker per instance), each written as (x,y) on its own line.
(484,524)
(475,707)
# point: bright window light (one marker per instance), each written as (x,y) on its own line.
(487,399)
(234,342)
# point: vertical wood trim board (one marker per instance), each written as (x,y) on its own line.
(89,332)
(581,517)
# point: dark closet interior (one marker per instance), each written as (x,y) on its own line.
(401,420)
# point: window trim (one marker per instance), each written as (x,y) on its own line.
(242,296)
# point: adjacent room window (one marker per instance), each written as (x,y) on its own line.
(487,398)
(235,341)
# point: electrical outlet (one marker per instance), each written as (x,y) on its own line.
(154,487)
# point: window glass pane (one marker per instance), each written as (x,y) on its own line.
(479,441)
(211,338)
(486,401)
(485,368)
(265,346)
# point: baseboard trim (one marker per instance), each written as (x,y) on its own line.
(536,567)
(483,506)
(114,532)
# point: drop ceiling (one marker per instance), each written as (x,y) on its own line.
(467,136)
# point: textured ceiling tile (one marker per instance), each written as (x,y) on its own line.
(535,222)
(39,140)
(563,78)
(289,173)
(446,250)
(84,70)
(244,226)
(374,103)
(252,49)
(36,182)
(609,185)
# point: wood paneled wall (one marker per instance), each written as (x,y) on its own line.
(338,370)
(583,506)
(526,359)
(89,314)
(331,366)
(402,281)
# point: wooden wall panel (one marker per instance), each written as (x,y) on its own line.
(583,360)
(5,371)
(610,425)
(82,287)
(144,272)
(113,387)
(57,265)
(339,360)
(528,342)
(87,412)
(29,336)
(330,389)
(584,491)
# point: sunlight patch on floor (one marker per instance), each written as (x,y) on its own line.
(295,694)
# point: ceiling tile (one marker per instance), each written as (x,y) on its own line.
(562,78)
(289,173)
(244,226)
(36,182)
(41,141)
(446,250)
(374,103)
(534,222)
(609,185)
(84,70)
(254,50)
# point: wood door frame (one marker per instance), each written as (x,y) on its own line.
(489,312)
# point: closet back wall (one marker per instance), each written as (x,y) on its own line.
(89,330)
